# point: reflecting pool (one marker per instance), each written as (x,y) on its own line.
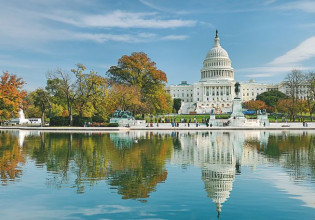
(157,175)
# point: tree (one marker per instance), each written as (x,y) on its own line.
(60,83)
(30,110)
(86,86)
(293,81)
(83,94)
(289,107)
(125,97)
(11,95)
(271,98)
(42,100)
(177,104)
(138,70)
(254,105)
(310,98)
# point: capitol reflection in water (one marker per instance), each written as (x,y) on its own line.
(134,163)
(220,155)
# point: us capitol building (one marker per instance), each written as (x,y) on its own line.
(215,90)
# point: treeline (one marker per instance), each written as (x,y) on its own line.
(78,96)
(299,100)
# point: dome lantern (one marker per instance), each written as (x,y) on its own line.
(216,40)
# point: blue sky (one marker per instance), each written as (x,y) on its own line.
(264,38)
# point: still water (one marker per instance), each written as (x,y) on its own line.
(157,175)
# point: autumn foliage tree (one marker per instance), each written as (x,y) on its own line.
(125,97)
(139,71)
(254,105)
(11,95)
(288,106)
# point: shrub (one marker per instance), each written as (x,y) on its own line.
(59,121)
(111,125)
(80,122)
(64,121)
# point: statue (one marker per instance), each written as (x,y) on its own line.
(216,34)
(237,89)
(122,114)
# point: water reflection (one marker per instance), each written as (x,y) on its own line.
(134,163)
(12,157)
(220,156)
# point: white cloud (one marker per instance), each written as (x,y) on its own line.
(302,52)
(106,209)
(22,28)
(175,37)
(307,6)
(163,9)
(296,190)
(119,19)
(285,63)
(268,2)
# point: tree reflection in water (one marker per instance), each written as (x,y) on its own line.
(133,168)
(12,157)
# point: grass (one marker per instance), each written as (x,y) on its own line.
(199,118)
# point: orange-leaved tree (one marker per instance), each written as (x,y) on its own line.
(139,71)
(289,107)
(254,105)
(11,95)
(125,97)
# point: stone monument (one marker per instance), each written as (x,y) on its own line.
(122,118)
(263,118)
(237,116)
(20,120)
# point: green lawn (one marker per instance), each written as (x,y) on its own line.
(223,116)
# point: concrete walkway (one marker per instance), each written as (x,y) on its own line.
(167,126)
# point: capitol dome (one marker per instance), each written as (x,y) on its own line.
(217,52)
(217,64)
